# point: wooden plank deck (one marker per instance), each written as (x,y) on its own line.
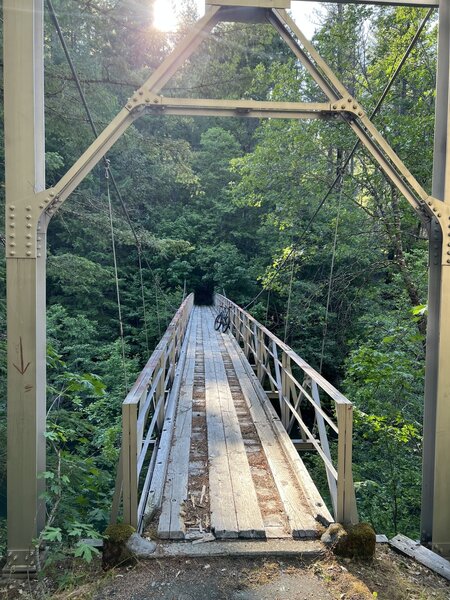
(231,470)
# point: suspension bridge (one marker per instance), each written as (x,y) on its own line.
(216,425)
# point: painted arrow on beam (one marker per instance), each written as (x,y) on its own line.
(23,368)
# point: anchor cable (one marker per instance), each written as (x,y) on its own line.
(116,276)
(330,280)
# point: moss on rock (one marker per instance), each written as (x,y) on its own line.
(115,551)
(359,542)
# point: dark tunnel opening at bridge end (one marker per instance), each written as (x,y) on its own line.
(204,294)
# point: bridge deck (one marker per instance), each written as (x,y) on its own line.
(232,470)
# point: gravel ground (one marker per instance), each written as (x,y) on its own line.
(219,579)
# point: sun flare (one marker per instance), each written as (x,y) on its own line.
(165,16)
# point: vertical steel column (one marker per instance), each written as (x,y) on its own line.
(434,393)
(25,254)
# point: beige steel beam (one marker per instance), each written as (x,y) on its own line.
(25,264)
(288,3)
(412,3)
(239,108)
(436,490)
(251,3)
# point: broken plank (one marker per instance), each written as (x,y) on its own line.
(422,555)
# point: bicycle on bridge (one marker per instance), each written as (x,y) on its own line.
(223,320)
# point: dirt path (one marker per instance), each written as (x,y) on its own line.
(219,579)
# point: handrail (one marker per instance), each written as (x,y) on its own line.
(143,416)
(273,363)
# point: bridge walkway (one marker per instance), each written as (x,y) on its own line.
(232,471)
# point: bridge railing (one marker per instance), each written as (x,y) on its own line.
(296,389)
(144,413)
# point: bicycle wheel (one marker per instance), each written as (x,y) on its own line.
(218,322)
(225,324)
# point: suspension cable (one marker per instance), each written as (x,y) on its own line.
(330,280)
(374,113)
(116,275)
(288,310)
(106,161)
(267,308)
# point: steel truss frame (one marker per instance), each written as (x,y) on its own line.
(30,207)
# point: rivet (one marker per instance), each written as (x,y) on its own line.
(47,200)
(135,99)
(29,236)
(13,244)
(448,261)
(12,207)
(28,253)
(28,208)
(28,225)
(147,100)
(52,194)
(28,245)
(129,106)
(434,209)
(439,215)
(12,225)
(342,105)
(13,235)
(141,93)
(334,106)
(12,217)
(39,239)
(39,255)
(28,217)
(355,106)
(350,100)
(41,206)
(12,253)
(39,247)
(360,114)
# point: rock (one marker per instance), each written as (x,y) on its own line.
(354,541)
(140,547)
(115,551)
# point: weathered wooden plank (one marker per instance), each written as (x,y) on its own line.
(315,501)
(301,521)
(156,487)
(223,511)
(422,555)
(171,522)
(250,522)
